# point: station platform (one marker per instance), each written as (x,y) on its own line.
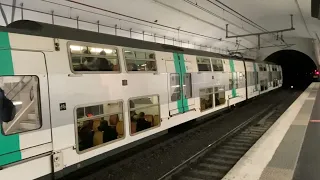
(290,149)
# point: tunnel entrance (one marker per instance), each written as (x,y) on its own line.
(298,68)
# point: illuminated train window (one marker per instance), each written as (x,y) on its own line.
(206,98)
(140,60)
(93,58)
(99,124)
(144,113)
(219,95)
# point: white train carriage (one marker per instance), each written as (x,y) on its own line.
(79,94)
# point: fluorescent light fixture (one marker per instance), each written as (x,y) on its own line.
(76,48)
(108,51)
(17,103)
(98,50)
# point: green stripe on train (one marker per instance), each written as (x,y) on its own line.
(180,68)
(183,72)
(10,145)
(234,76)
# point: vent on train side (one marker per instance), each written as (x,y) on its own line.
(26,25)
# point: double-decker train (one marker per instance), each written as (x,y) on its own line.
(79,95)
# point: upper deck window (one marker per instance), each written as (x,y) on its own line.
(204,64)
(94,58)
(262,67)
(140,60)
(217,64)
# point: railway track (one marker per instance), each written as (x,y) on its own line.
(216,160)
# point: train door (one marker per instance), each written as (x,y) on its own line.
(26,132)
(180,84)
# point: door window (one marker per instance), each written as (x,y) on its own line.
(175,87)
(187,88)
(21,107)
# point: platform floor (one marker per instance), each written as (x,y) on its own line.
(290,149)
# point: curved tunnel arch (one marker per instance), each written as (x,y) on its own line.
(298,68)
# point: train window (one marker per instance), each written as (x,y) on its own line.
(262,67)
(99,124)
(241,80)
(270,76)
(256,78)
(22,104)
(139,60)
(206,98)
(264,85)
(230,81)
(280,75)
(175,88)
(274,68)
(204,64)
(94,58)
(187,85)
(217,64)
(251,78)
(233,80)
(144,113)
(219,95)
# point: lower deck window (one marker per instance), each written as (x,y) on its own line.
(219,95)
(275,83)
(144,113)
(21,106)
(263,85)
(206,98)
(99,124)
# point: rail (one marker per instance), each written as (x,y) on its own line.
(232,146)
(212,145)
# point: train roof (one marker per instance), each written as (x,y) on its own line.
(55,31)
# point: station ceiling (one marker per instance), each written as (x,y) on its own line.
(188,23)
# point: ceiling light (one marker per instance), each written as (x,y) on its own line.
(76,48)
(17,103)
(108,51)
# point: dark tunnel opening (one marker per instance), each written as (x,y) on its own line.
(298,68)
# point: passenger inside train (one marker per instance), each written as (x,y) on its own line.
(7,108)
(98,124)
(144,113)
